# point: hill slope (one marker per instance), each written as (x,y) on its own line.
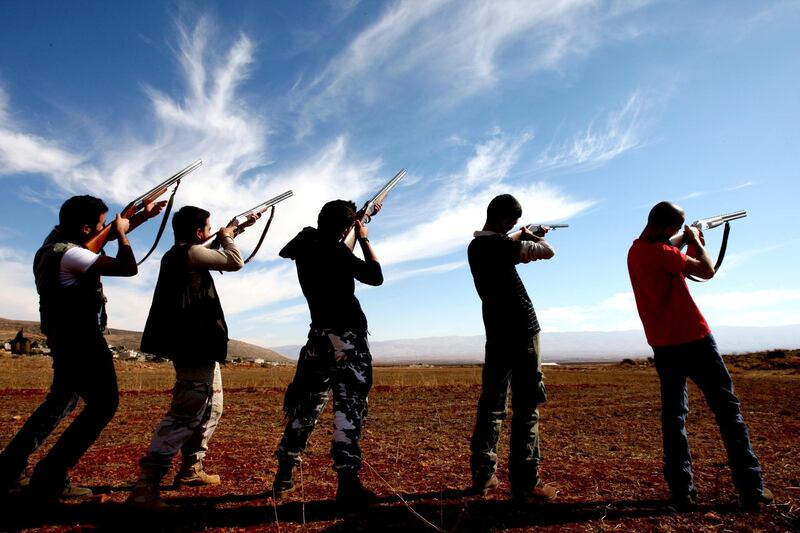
(131,340)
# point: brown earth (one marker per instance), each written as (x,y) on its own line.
(132,340)
(600,438)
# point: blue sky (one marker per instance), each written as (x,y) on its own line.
(588,111)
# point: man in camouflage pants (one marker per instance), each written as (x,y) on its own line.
(336,356)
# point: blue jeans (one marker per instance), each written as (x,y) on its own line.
(515,367)
(81,369)
(700,361)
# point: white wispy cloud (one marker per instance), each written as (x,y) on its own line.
(282,315)
(22,152)
(731,188)
(621,133)
(614,313)
(766,307)
(448,50)
(19,293)
(458,207)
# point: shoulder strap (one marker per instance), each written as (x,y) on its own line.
(163,223)
(722,248)
(264,234)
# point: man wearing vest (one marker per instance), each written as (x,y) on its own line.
(72,308)
(684,348)
(513,361)
(186,324)
(336,356)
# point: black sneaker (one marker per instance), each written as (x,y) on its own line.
(283,480)
(684,501)
(351,495)
(756,501)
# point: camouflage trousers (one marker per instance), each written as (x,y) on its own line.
(190,422)
(514,367)
(329,362)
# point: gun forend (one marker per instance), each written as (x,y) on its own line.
(159,189)
(713,222)
(536,227)
(263,206)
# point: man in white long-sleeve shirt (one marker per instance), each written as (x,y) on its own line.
(513,360)
(186,324)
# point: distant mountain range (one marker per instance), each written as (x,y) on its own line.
(558,347)
(578,346)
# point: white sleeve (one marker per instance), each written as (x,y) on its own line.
(76,260)
(531,251)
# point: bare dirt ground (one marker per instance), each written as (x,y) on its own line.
(600,437)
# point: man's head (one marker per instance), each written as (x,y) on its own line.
(666,216)
(336,218)
(191,225)
(82,217)
(503,213)
(664,221)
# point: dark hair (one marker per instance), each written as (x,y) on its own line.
(79,211)
(665,215)
(502,208)
(187,220)
(336,216)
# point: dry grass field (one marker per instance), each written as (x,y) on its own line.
(600,435)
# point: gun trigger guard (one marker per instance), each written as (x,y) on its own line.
(367,218)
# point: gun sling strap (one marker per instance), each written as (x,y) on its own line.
(722,248)
(263,234)
(163,223)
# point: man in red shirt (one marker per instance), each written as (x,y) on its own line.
(684,348)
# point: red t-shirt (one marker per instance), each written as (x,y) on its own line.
(668,312)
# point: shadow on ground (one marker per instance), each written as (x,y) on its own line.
(450,510)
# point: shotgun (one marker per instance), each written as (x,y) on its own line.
(364,215)
(710,223)
(97,242)
(240,222)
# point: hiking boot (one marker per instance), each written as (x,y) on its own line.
(146,493)
(538,493)
(194,476)
(481,487)
(351,495)
(283,480)
(72,492)
(755,502)
(147,496)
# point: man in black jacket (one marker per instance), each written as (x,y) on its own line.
(72,308)
(186,324)
(336,356)
(513,360)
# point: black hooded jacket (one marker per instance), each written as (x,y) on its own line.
(327,269)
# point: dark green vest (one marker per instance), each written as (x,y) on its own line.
(186,322)
(70,312)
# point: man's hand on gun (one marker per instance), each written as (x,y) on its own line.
(527,235)
(152,209)
(121,225)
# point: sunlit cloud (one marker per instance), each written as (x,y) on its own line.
(19,294)
(23,153)
(449,50)
(458,207)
